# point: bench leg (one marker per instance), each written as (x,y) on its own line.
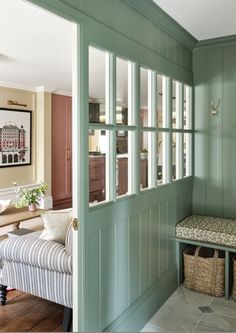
(3,294)
(180,247)
(67,319)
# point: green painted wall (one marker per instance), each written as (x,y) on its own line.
(215,139)
(127,263)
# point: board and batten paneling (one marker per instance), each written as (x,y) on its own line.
(122,17)
(126,251)
(214,190)
(229,131)
(132,251)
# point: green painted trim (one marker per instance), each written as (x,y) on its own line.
(216,41)
(205,244)
(138,314)
(155,14)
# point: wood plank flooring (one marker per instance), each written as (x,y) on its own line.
(27,313)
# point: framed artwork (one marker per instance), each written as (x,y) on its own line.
(15,137)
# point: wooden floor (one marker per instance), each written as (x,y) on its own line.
(27,313)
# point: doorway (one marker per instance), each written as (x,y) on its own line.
(33,69)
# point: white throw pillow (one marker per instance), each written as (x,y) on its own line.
(56,223)
(4,204)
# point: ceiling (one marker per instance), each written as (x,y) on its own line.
(35,47)
(203,19)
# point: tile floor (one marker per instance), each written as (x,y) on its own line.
(189,311)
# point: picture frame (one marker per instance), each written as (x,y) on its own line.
(15,137)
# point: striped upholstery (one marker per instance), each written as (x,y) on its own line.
(39,267)
(53,286)
(37,252)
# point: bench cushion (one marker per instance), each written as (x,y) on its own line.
(208,229)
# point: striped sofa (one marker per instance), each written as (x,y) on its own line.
(39,267)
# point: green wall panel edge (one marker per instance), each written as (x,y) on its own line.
(156,15)
(137,315)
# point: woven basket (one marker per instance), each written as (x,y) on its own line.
(204,270)
(234,279)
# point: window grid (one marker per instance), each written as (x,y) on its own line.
(182,132)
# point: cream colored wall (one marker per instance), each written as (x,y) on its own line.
(43,137)
(40,169)
(20,174)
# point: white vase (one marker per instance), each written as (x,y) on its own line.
(32,207)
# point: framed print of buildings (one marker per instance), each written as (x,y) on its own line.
(15,137)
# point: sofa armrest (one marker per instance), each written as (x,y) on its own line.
(37,252)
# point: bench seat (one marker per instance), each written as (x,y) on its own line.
(208,229)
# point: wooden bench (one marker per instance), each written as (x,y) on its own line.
(211,232)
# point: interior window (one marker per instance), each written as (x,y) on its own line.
(98,137)
(122,91)
(122,162)
(187,107)
(98,87)
(164,133)
(98,164)
(144,143)
(145,97)
(160,101)
(161,157)
(187,154)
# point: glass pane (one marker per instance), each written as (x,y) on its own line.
(97,86)
(122,91)
(98,158)
(174,94)
(173,144)
(187,107)
(144,105)
(161,157)
(122,161)
(178,155)
(187,154)
(160,101)
(144,140)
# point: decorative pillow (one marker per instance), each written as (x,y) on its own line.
(4,204)
(69,240)
(56,223)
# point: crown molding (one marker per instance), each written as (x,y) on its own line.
(12,85)
(219,41)
(156,15)
(5,84)
(62,92)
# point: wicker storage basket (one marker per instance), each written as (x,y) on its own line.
(204,270)
(234,279)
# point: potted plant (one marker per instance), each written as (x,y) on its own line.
(144,153)
(31,197)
